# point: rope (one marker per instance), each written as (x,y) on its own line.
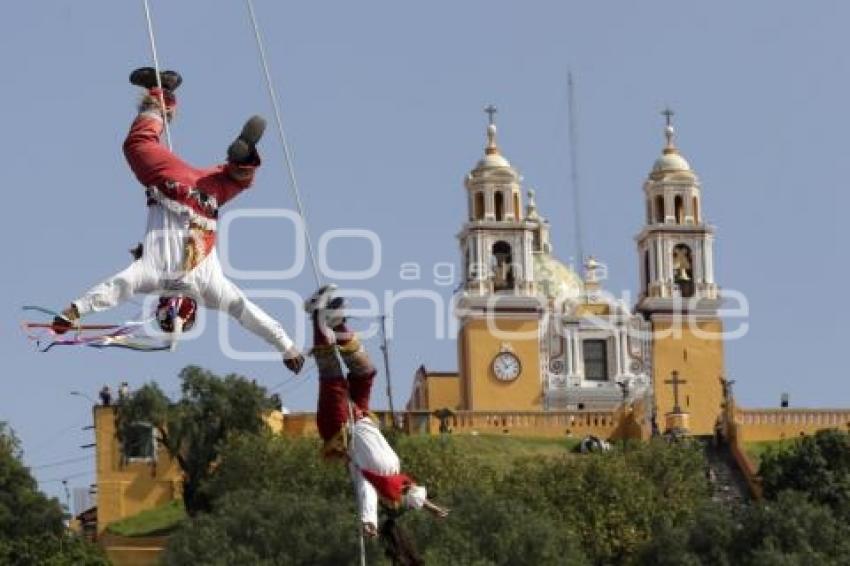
(287,155)
(152,40)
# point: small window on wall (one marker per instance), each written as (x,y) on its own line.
(679,206)
(500,206)
(595,359)
(139,442)
(659,209)
(479,206)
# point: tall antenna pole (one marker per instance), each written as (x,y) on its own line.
(386,351)
(574,178)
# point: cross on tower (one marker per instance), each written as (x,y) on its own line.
(491,110)
(675,381)
(668,115)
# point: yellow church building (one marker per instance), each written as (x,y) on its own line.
(539,339)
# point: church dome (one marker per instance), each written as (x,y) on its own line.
(554,279)
(493,160)
(671,161)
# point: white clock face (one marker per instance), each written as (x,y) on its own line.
(506,367)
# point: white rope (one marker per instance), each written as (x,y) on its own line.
(287,155)
(152,40)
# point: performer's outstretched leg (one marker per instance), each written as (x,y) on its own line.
(136,278)
(333,412)
(157,166)
(361,372)
(218,292)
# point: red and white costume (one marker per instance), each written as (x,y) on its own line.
(179,255)
(374,465)
(376,472)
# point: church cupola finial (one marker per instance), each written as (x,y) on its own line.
(492,147)
(669,131)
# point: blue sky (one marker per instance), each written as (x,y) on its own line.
(382,103)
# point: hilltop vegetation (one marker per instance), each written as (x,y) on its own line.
(271,500)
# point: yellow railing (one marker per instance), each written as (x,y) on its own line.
(777,424)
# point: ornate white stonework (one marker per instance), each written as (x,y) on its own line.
(507,258)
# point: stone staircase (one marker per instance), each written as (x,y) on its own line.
(728,484)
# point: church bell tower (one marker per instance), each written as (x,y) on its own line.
(497,306)
(678,292)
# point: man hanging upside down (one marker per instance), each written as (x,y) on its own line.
(373,464)
(178,255)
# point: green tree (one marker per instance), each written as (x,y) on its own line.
(268,462)
(264,528)
(23,509)
(489,529)
(787,531)
(31,525)
(50,550)
(192,429)
(706,538)
(818,466)
(792,530)
(614,501)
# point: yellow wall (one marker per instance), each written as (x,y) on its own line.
(124,489)
(753,425)
(699,361)
(477,348)
(442,391)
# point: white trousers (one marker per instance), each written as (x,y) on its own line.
(370,451)
(159,272)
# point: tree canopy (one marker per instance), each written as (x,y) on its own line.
(32,530)
(192,428)
(818,466)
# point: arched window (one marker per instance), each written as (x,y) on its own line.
(659,209)
(679,207)
(503,269)
(479,206)
(646,279)
(683,271)
(696,210)
(500,206)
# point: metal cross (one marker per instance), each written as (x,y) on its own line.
(675,382)
(668,115)
(491,110)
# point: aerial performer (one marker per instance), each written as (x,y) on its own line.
(349,431)
(177,258)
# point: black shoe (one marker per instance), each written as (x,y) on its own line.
(243,148)
(145,77)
